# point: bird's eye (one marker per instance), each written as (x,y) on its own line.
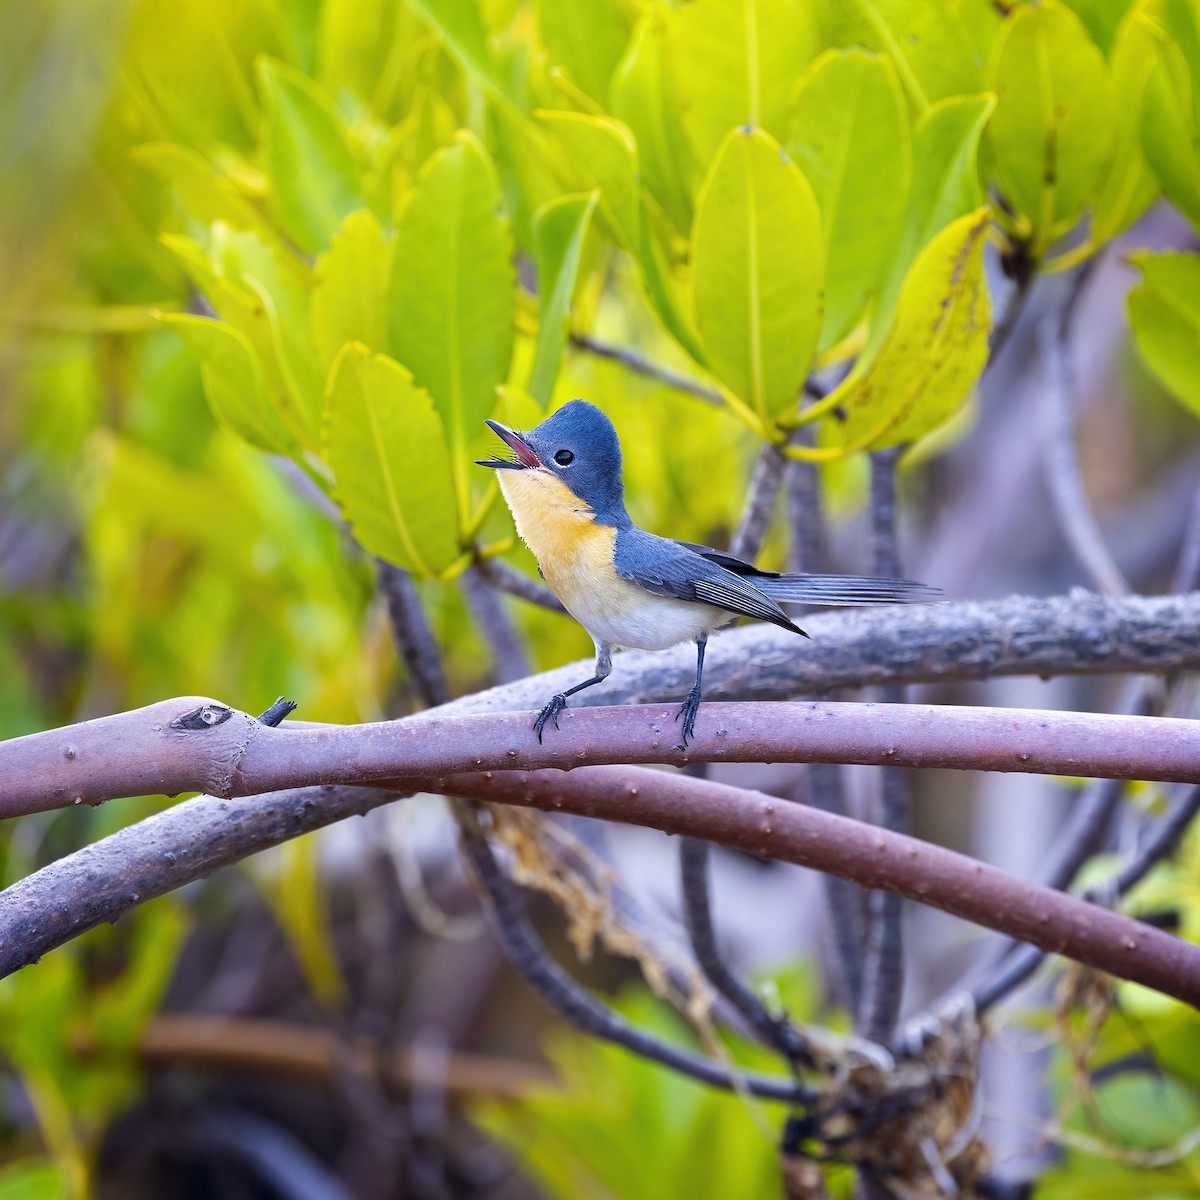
(564,458)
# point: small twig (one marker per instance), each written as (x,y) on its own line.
(1014,306)
(1026,959)
(278,712)
(1060,452)
(802,496)
(579,1007)
(776,1031)
(631,360)
(414,639)
(506,578)
(883,969)
(1187,569)
(510,656)
(761,496)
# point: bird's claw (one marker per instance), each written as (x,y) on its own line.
(688,710)
(549,713)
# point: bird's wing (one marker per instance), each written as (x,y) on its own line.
(671,569)
(821,590)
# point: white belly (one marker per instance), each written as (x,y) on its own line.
(628,616)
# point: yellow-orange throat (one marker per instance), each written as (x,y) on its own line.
(560,529)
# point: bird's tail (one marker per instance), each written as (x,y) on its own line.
(846,590)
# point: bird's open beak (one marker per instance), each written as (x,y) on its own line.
(526,458)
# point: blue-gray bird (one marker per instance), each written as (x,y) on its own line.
(629,588)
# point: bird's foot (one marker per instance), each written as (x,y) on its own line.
(688,710)
(550,713)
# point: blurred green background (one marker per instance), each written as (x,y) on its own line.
(266,265)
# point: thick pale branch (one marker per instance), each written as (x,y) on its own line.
(192,839)
(1077,634)
(200,745)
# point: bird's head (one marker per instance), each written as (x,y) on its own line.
(577,445)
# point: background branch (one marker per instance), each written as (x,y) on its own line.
(1078,634)
(194,838)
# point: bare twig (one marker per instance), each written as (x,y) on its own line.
(1014,306)
(317,1055)
(192,744)
(631,360)
(1187,569)
(776,1031)
(1060,453)
(1026,959)
(883,967)
(1076,634)
(507,578)
(524,949)
(192,839)
(413,637)
(510,657)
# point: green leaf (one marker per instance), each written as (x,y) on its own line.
(1168,125)
(598,152)
(1101,18)
(585,38)
(1052,134)
(734,62)
(928,43)
(315,180)
(849,135)
(756,273)
(350,282)
(385,443)
(945,181)
(207,195)
(34,1181)
(460,26)
(641,98)
(935,350)
(1164,312)
(451,297)
(1130,186)
(233,381)
(559,230)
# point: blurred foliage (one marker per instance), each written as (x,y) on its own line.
(264,263)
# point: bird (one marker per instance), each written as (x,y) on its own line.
(631,589)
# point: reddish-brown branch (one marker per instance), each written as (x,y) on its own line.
(191,744)
(192,839)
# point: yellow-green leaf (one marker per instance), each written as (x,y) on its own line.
(734,62)
(584,38)
(945,185)
(1053,132)
(598,152)
(559,230)
(1164,311)
(641,98)
(233,381)
(1168,125)
(391,465)
(928,44)
(756,273)
(349,295)
(935,350)
(452,294)
(849,134)
(1130,186)
(315,180)
(460,26)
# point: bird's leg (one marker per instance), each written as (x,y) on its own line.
(689,708)
(559,702)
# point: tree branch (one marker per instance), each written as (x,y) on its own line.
(189,841)
(190,745)
(1078,634)
(883,967)
(413,637)
(510,656)
(1026,959)
(506,578)
(631,360)
(1060,456)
